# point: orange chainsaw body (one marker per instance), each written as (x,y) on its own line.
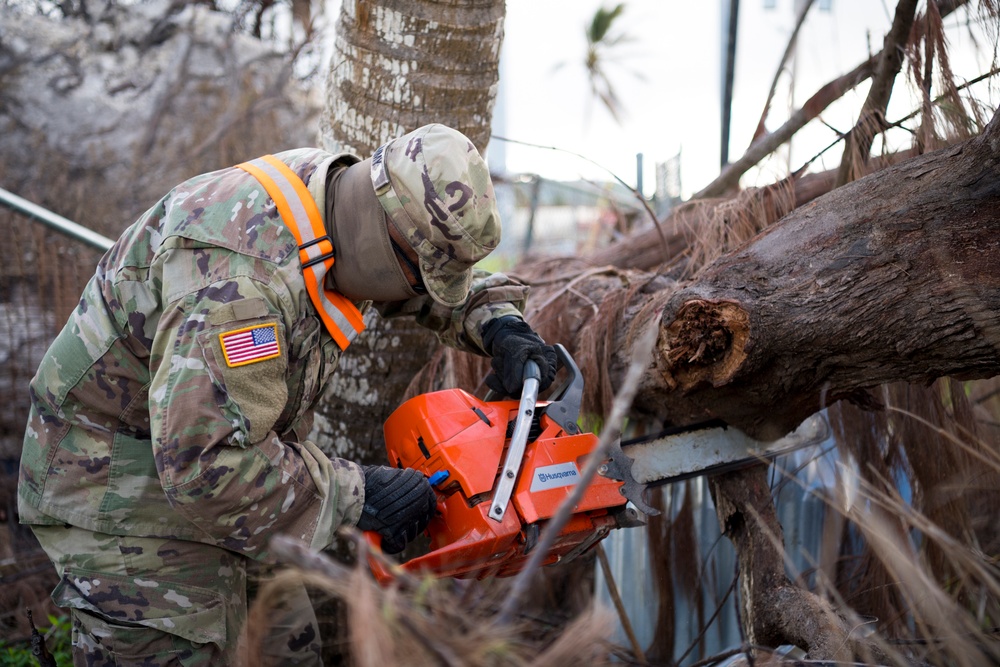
(459,441)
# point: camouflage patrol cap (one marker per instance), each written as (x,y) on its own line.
(436,189)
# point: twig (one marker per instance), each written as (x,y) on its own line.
(583,297)
(718,610)
(799,20)
(971,82)
(298,554)
(572,283)
(642,352)
(564,277)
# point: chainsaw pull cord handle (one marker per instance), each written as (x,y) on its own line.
(380,569)
(518,441)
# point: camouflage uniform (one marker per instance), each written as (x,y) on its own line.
(151,469)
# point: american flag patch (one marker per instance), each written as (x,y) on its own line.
(250,344)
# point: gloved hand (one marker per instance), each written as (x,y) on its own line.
(399,502)
(511,342)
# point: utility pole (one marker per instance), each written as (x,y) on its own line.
(730,19)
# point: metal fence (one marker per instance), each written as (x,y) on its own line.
(42,275)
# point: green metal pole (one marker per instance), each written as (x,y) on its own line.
(55,221)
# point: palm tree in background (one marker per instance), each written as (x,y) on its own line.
(601,40)
(604,49)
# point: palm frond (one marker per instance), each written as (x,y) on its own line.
(602,22)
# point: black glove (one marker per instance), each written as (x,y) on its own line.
(398,504)
(511,342)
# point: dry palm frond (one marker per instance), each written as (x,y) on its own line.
(921,546)
(730,223)
(426,621)
(952,621)
(945,118)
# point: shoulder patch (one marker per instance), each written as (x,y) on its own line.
(249,345)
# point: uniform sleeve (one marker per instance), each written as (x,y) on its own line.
(492,295)
(218,388)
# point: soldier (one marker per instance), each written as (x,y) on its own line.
(166,441)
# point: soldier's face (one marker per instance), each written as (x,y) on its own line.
(407,258)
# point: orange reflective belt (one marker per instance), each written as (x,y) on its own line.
(291,196)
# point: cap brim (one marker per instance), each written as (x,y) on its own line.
(447,288)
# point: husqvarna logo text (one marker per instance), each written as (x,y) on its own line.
(554,476)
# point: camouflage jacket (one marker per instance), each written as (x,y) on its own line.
(138,425)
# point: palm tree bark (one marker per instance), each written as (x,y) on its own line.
(400,64)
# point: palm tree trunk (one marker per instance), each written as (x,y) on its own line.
(400,64)
(397,65)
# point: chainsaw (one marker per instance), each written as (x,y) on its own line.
(501,469)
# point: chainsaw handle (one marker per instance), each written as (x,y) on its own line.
(532,381)
(531,372)
(518,441)
(564,408)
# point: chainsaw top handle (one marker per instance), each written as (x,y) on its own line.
(518,441)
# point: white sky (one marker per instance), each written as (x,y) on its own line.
(675,51)
(675,105)
(668,79)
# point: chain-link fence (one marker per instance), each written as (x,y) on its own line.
(41,278)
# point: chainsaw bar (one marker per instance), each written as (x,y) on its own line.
(705,449)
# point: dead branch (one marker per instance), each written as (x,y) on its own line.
(871,121)
(729,179)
